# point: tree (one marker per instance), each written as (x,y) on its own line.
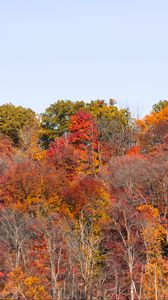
(13,119)
(113,123)
(152,129)
(24,287)
(52,231)
(87,217)
(30,143)
(114,127)
(63,155)
(32,186)
(160,105)
(6,154)
(56,119)
(156,268)
(125,250)
(84,137)
(84,252)
(88,202)
(87,194)
(14,237)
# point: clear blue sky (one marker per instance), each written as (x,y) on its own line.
(84,49)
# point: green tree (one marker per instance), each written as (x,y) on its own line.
(160,105)
(114,126)
(109,117)
(56,118)
(13,119)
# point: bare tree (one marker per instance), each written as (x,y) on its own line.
(84,250)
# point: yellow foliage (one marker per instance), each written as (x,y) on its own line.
(155,276)
(27,287)
(153,119)
(153,232)
(155,280)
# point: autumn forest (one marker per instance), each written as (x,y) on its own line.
(83,202)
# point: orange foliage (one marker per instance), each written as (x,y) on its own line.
(84,137)
(156,269)
(27,287)
(134,151)
(153,119)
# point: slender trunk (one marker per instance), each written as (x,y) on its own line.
(156,290)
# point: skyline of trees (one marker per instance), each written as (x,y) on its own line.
(83,203)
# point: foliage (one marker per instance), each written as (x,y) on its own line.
(153,128)
(27,287)
(84,137)
(85,218)
(13,119)
(160,105)
(30,143)
(56,119)
(111,121)
(156,268)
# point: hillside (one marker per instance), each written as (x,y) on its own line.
(83,202)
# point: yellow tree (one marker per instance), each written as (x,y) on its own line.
(153,128)
(88,202)
(155,276)
(30,141)
(21,286)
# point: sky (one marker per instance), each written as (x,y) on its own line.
(84,50)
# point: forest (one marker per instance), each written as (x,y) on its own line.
(83,202)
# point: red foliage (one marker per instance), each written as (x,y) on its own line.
(83,130)
(6,148)
(63,155)
(134,151)
(87,194)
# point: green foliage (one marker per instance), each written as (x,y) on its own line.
(56,118)
(110,119)
(160,105)
(13,119)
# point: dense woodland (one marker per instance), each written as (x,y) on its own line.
(83,202)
